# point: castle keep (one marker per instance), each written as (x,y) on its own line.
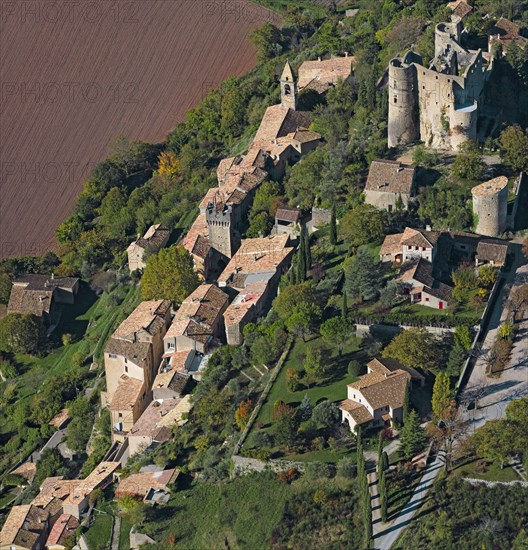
(440,105)
(490,205)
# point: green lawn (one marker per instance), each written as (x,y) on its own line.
(241,513)
(99,534)
(333,388)
(492,472)
(124,534)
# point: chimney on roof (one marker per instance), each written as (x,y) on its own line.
(52,276)
(428,228)
(346,54)
(319,59)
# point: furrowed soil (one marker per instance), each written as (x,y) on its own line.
(76,75)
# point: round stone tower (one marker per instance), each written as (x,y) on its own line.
(490,205)
(403,99)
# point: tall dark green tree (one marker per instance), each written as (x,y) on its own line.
(344,305)
(406,403)
(412,437)
(333,227)
(305,247)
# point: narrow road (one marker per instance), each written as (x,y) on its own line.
(494,396)
(386,536)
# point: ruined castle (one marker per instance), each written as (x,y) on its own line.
(441,105)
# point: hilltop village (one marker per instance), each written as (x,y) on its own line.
(320,330)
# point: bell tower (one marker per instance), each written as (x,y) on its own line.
(288,88)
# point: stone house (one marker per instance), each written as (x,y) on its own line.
(506,32)
(150,484)
(377,398)
(253,275)
(422,288)
(390,182)
(42,296)
(198,321)
(322,74)
(173,374)
(490,252)
(131,358)
(410,245)
(153,240)
(288,221)
(146,432)
(26,528)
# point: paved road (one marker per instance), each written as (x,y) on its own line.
(494,396)
(386,536)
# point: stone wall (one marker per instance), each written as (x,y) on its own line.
(492,212)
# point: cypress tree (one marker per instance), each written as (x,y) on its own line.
(384,461)
(406,403)
(301,267)
(305,247)
(344,305)
(333,227)
(382,485)
(380,450)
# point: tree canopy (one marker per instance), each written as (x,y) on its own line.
(415,348)
(169,275)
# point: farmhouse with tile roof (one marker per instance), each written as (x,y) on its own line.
(376,399)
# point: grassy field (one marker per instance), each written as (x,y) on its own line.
(124,534)
(241,513)
(99,534)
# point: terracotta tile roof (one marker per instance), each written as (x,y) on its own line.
(357,411)
(54,488)
(198,229)
(507,27)
(420,271)
(381,390)
(439,290)
(127,393)
(391,244)
(27,470)
(141,483)
(291,215)
(492,251)
(490,187)
(177,364)
(178,415)
(65,526)
(244,303)
(258,255)
(148,316)
(199,312)
(320,75)
(390,176)
(301,136)
(460,8)
(225,165)
(99,475)
(148,423)
(30,302)
(136,352)
(420,237)
(35,281)
(387,365)
(277,122)
(23,526)
(155,236)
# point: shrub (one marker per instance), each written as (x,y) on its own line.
(346,467)
(354,368)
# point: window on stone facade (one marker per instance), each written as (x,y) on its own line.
(395,99)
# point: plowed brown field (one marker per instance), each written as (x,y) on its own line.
(75,75)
